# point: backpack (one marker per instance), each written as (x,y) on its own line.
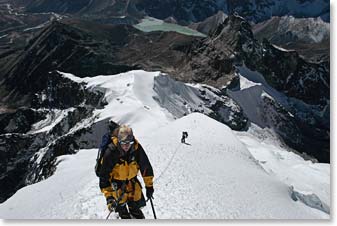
(106,140)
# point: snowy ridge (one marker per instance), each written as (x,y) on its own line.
(218,174)
(128,96)
(253,87)
(249,95)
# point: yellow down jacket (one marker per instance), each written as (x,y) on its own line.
(118,177)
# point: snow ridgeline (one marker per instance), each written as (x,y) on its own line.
(214,177)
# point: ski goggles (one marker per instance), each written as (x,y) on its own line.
(126,142)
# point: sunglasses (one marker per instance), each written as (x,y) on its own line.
(126,142)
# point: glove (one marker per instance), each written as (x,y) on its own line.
(112,204)
(149,192)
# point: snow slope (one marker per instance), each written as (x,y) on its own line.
(307,178)
(213,177)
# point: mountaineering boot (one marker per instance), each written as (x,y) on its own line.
(137,213)
(123,212)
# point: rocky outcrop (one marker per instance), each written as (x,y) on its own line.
(32,138)
(289,73)
(56,90)
(16,151)
(20,120)
(30,158)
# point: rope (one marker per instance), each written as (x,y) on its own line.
(169,163)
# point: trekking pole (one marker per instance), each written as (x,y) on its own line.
(154,213)
(118,200)
(108,215)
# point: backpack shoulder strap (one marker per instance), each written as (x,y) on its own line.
(136,145)
(114,140)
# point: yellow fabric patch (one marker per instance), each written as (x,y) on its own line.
(108,192)
(130,193)
(124,171)
(148,181)
(114,140)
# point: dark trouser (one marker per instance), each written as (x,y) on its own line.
(133,198)
(133,212)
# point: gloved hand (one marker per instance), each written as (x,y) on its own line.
(149,192)
(112,204)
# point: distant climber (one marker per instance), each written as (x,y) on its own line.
(118,181)
(184,136)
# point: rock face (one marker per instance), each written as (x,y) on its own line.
(15,155)
(284,70)
(28,151)
(63,47)
(295,77)
(20,120)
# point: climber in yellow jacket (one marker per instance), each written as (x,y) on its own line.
(122,160)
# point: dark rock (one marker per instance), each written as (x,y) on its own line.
(29,158)
(230,113)
(16,151)
(297,132)
(57,89)
(20,120)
